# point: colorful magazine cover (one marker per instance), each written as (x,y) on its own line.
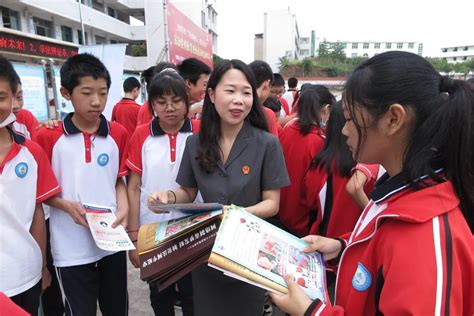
(100,220)
(265,250)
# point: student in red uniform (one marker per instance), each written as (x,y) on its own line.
(264,75)
(196,74)
(276,91)
(412,250)
(125,112)
(334,210)
(26,180)
(156,148)
(26,123)
(290,94)
(88,156)
(301,140)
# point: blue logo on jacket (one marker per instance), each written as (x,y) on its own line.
(21,170)
(103,160)
(362,279)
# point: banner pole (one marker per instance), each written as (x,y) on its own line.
(165,28)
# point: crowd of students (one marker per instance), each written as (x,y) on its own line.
(380,182)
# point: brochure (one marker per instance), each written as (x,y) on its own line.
(255,251)
(100,221)
(192,208)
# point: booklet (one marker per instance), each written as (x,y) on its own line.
(191,208)
(170,250)
(100,220)
(252,250)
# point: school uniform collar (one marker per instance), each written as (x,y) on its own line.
(17,138)
(156,129)
(387,186)
(70,129)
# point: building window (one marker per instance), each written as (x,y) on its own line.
(411,45)
(454,58)
(366,55)
(11,19)
(79,37)
(444,50)
(344,45)
(66,33)
(111,12)
(464,58)
(455,49)
(399,45)
(388,45)
(353,55)
(377,45)
(203,20)
(355,45)
(365,46)
(420,49)
(466,48)
(100,40)
(43,27)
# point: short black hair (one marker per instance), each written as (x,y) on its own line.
(292,83)
(8,73)
(130,83)
(278,80)
(147,75)
(80,66)
(261,71)
(167,83)
(273,104)
(192,68)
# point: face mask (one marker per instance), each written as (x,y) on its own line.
(10,119)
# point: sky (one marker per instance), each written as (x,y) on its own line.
(435,23)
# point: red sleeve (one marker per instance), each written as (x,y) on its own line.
(134,159)
(196,126)
(31,123)
(371,171)
(114,111)
(47,185)
(144,115)
(46,138)
(271,121)
(295,106)
(120,135)
(284,105)
(7,307)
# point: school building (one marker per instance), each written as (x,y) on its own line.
(456,54)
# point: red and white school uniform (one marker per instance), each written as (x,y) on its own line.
(156,157)
(25,124)
(125,112)
(87,167)
(26,179)
(411,253)
(271,121)
(144,114)
(335,212)
(298,150)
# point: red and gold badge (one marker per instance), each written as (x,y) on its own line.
(245,170)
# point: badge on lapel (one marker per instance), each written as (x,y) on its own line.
(245,170)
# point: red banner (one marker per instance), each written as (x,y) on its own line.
(186,39)
(31,46)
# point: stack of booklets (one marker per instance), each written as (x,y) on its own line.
(170,250)
(254,251)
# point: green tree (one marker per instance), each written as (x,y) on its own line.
(462,68)
(323,49)
(338,52)
(283,63)
(307,64)
(216,60)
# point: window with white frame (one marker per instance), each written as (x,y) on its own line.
(11,19)
(43,27)
(399,45)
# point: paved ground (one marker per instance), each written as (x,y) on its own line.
(139,295)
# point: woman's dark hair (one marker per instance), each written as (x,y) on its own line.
(309,111)
(167,83)
(324,94)
(442,131)
(210,133)
(335,152)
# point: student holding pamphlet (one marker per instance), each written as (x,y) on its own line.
(411,251)
(233,160)
(155,154)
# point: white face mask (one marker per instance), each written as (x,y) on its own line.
(10,119)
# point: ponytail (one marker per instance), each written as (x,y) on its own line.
(445,139)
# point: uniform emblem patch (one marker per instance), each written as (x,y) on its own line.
(103,160)
(362,279)
(245,170)
(21,170)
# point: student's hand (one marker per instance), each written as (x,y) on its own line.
(122,219)
(329,247)
(49,124)
(133,256)
(355,188)
(296,302)
(194,109)
(45,279)
(75,210)
(158,197)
